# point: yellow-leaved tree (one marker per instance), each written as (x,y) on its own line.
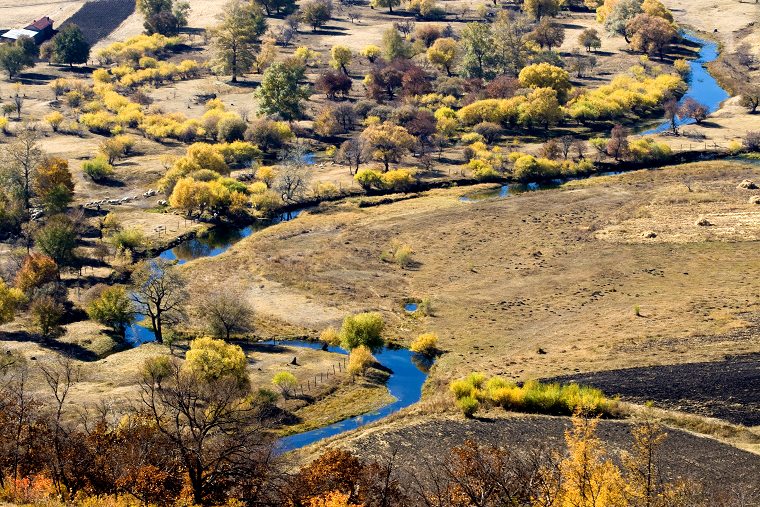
(588,477)
(10,298)
(214,359)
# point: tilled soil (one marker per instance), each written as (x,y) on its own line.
(98,18)
(683,455)
(728,389)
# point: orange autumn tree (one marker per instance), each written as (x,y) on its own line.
(332,499)
(37,270)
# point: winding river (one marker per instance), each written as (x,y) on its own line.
(408,371)
(703,87)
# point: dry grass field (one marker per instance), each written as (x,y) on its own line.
(16,14)
(653,267)
(539,284)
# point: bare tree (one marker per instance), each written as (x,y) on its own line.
(294,175)
(18,409)
(352,153)
(211,424)
(566,142)
(226,312)
(60,376)
(159,293)
(24,155)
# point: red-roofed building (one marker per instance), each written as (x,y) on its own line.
(44,29)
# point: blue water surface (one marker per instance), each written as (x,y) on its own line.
(405,384)
(702,86)
(219,239)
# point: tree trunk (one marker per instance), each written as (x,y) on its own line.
(156,321)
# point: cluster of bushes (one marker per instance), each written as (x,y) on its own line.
(530,168)
(135,48)
(215,124)
(209,161)
(535,397)
(395,179)
(211,192)
(625,96)
(483,163)
(149,71)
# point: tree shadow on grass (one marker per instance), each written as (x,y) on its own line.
(71,350)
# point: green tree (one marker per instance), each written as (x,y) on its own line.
(477,44)
(390,4)
(113,308)
(394,45)
(163,16)
(540,8)
(548,34)
(617,19)
(70,46)
(589,39)
(57,239)
(280,92)
(277,6)
(237,35)
(17,56)
(362,329)
(512,48)
(316,13)
(46,314)
(443,53)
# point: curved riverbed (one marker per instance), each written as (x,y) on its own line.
(703,87)
(408,372)
(405,384)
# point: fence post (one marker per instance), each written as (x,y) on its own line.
(333,369)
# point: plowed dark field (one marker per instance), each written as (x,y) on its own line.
(419,445)
(728,389)
(99,18)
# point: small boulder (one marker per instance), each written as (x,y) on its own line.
(703,222)
(649,234)
(748,185)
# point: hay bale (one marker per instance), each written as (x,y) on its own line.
(748,185)
(703,222)
(648,234)
(755,199)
